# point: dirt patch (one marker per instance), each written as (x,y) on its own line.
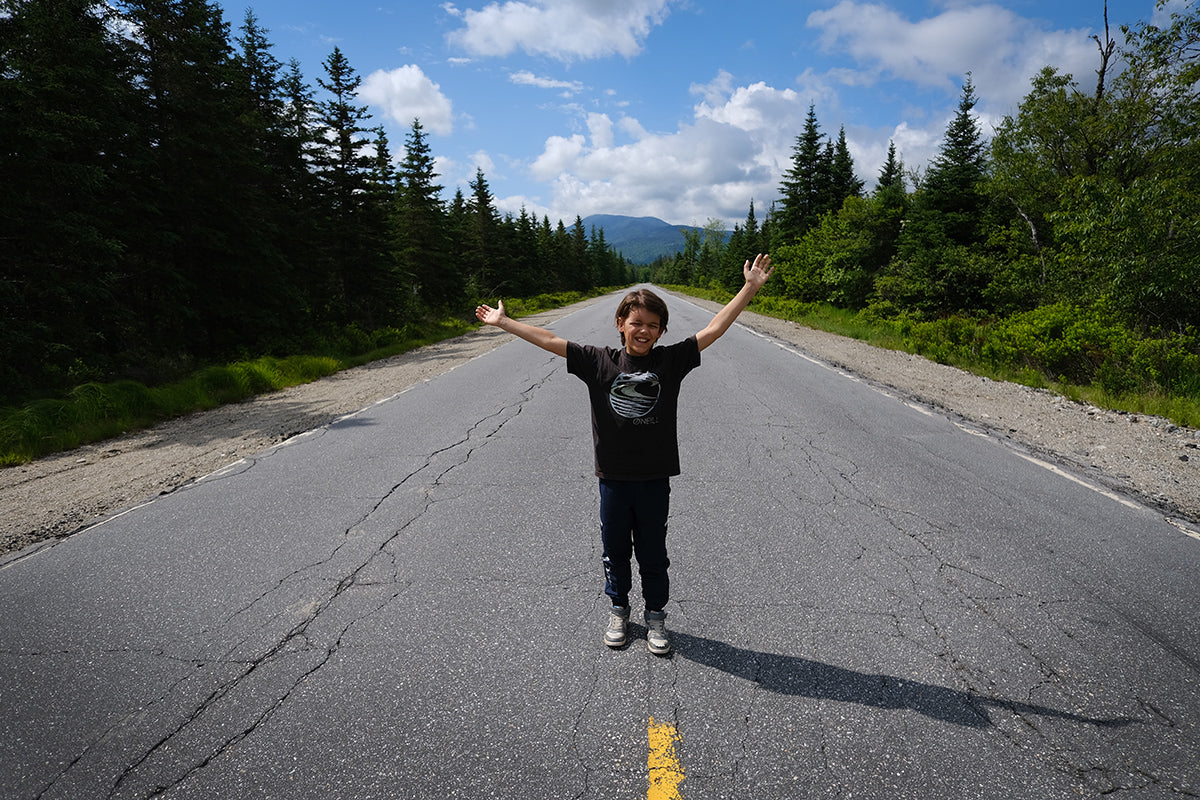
(1142,457)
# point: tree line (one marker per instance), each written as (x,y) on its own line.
(175,195)
(1070,240)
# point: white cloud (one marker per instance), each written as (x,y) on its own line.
(1001,50)
(527,78)
(732,152)
(406,93)
(566,30)
(738,142)
(601,129)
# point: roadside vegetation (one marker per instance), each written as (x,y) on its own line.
(1056,348)
(97,411)
(1062,251)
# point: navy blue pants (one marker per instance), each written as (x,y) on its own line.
(633,520)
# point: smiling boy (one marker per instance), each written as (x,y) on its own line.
(634,394)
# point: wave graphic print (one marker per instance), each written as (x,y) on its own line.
(634,394)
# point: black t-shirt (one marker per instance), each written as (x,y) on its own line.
(635,404)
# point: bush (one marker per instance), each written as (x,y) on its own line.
(1061,340)
(953,340)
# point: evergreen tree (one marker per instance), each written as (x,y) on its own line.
(259,101)
(479,243)
(302,231)
(529,274)
(421,225)
(548,258)
(954,182)
(939,267)
(844,183)
(67,115)
(804,188)
(197,281)
(890,186)
(344,166)
(579,269)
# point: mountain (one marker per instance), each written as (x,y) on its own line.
(639,239)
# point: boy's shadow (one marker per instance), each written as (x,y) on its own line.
(802,677)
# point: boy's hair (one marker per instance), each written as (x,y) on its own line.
(643,299)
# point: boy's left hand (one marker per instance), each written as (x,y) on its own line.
(488,315)
(757,273)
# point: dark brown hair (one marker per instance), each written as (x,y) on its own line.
(645,300)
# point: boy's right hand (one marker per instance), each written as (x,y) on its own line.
(488,315)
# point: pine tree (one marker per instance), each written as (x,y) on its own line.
(953,183)
(844,182)
(802,187)
(304,228)
(580,267)
(819,180)
(479,252)
(344,166)
(421,225)
(198,279)
(260,105)
(67,110)
(529,274)
(936,271)
(891,175)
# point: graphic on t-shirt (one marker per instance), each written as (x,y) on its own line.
(634,394)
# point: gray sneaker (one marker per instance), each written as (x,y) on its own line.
(618,626)
(656,633)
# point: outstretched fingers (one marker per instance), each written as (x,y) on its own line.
(761,269)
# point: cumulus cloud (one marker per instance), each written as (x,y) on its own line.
(738,142)
(407,93)
(1001,50)
(731,152)
(566,30)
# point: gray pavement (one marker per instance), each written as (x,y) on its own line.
(868,601)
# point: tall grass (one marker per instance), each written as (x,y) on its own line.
(96,411)
(972,345)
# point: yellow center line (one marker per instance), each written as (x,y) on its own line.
(665,771)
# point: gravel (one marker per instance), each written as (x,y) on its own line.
(1146,459)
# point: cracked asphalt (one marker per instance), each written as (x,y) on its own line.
(870,599)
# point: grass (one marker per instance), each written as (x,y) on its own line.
(944,343)
(93,412)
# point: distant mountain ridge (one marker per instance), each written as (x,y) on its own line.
(639,239)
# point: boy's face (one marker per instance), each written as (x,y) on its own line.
(642,329)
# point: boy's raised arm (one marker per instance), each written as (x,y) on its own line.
(547,340)
(756,275)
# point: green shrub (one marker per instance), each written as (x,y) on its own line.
(1061,340)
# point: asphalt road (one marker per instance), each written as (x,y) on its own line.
(869,601)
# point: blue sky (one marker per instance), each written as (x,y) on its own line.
(686,110)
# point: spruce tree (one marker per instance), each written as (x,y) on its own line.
(421,225)
(68,112)
(804,186)
(844,182)
(199,278)
(480,255)
(953,183)
(344,165)
(580,268)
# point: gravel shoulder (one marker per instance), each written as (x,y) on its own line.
(1143,458)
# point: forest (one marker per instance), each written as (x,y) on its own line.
(1065,242)
(176,196)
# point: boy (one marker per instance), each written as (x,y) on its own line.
(634,395)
